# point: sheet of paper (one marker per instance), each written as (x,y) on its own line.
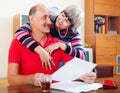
(76,87)
(73,70)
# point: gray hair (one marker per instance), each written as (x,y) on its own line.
(74,14)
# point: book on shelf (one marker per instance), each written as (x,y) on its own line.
(100,29)
(103,29)
(99,25)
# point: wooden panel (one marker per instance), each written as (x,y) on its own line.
(104,7)
(89,17)
(110,2)
(105,51)
(106,41)
(109,60)
(16,23)
(117,10)
(117,7)
(118,45)
(3,82)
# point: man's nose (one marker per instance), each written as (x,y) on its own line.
(48,20)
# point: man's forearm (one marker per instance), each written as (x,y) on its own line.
(20,79)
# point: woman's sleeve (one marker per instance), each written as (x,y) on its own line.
(74,48)
(23,35)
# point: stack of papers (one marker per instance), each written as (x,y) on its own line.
(73,70)
(76,87)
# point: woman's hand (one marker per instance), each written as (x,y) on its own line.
(89,77)
(52,47)
(45,57)
(55,46)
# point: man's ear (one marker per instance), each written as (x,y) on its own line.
(31,19)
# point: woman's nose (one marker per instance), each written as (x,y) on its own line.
(61,20)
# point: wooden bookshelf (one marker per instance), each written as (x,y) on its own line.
(105,39)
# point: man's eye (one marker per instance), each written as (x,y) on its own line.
(63,15)
(44,17)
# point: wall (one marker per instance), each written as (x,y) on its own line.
(13,7)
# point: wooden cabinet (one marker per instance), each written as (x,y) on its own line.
(18,20)
(106,50)
(104,7)
(105,36)
(117,7)
(118,45)
(106,45)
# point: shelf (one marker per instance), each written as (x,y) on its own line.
(106,24)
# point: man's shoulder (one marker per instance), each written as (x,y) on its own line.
(15,41)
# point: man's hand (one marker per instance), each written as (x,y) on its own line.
(36,77)
(89,77)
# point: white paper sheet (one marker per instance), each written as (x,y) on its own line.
(76,87)
(73,70)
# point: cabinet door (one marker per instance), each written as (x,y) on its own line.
(105,7)
(89,17)
(117,7)
(107,60)
(118,45)
(105,45)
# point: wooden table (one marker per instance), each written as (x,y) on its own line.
(32,89)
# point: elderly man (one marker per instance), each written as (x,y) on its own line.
(25,67)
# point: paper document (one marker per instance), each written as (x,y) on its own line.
(76,87)
(73,70)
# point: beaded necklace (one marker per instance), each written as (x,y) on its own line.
(62,36)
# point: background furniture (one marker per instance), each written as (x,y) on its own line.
(3,82)
(103,34)
(19,20)
(104,71)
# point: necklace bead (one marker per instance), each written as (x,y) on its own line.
(62,36)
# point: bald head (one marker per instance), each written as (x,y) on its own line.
(34,8)
(39,18)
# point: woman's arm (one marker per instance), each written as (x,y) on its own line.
(74,47)
(23,35)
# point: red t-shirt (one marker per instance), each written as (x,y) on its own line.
(30,63)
